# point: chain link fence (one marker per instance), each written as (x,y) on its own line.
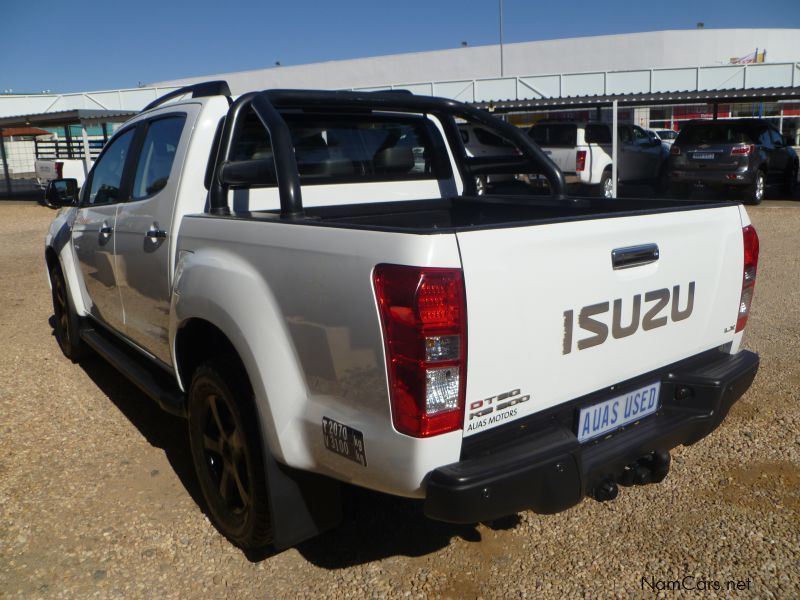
(17,169)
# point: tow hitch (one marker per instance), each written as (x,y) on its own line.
(650,468)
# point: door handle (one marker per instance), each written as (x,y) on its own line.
(634,256)
(106,230)
(154,233)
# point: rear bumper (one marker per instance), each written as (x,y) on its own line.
(713,178)
(548,471)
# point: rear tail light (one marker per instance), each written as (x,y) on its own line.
(675,150)
(742,150)
(580,160)
(750,240)
(423,314)
(59,170)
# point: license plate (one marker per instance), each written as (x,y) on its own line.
(605,417)
(703,156)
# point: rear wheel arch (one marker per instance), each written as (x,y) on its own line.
(197,341)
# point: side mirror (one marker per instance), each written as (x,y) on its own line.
(62,192)
(245,173)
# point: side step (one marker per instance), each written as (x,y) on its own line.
(125,361)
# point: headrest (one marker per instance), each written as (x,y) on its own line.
(399,159)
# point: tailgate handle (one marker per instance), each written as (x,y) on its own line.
(634,256)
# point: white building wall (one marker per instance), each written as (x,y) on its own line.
(581,56)
(649,50)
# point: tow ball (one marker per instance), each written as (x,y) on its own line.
(650,468)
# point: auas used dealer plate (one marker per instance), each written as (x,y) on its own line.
(609,415)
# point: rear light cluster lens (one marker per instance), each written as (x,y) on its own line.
(59,170)
(750,240)
(675,150)
(580,160)
(423,314)
(742,150)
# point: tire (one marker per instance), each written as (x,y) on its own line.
(67,324)
(227,453)
(790,185)
(606,188)
(754,193)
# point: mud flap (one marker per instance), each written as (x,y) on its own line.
(302,504)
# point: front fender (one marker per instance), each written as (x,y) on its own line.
(59,240)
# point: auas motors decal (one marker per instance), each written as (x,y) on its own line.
(650,314)
(494,409)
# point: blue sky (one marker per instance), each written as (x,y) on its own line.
(82,45)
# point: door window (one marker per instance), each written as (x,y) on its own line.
(107,173)
(157,156)
(776,138)
(640,136)
(764,139)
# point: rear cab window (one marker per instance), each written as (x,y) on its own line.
(714,133)
(555,134)
(353,148)
(597,133)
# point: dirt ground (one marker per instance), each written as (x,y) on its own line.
(97,495)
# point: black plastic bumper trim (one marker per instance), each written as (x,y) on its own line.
(548,471)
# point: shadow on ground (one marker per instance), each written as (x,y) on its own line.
(374,526)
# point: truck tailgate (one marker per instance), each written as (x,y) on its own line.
(550,319)
(563,157)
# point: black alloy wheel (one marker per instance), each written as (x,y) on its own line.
(226,451)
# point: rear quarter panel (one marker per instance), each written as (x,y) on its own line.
(298,304)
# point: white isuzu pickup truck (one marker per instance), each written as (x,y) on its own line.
(311,279)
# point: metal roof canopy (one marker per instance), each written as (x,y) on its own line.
(68,117)
(645,99)
(82,117)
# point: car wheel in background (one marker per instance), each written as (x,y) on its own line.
(480,185)
(754,193)
(606,185)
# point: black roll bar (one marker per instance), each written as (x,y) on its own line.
(266,105)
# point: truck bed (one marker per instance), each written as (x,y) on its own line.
(474,213)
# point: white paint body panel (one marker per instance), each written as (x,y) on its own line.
(297,303)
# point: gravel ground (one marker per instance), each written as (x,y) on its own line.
(97,496)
